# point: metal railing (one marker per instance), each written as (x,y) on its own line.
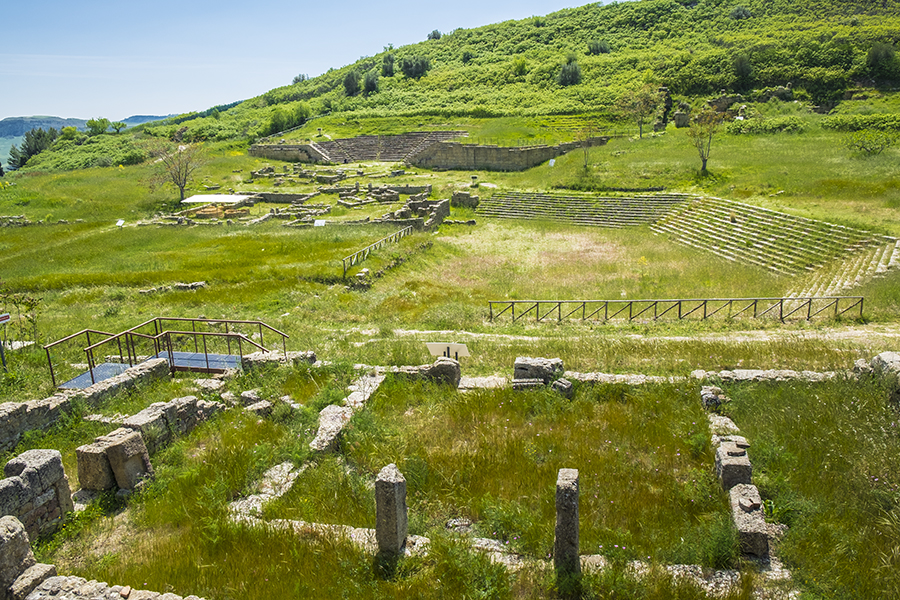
(702,308)
(361,255)
(133,337)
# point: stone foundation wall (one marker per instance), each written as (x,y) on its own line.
(471,157)
(36,491)
(18,417)
(286,152)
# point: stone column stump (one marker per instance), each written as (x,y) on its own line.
(565,546)
(390,511)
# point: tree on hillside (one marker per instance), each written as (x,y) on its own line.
(415,66)
(387,65)
(434,35)
(570,74)
(370,82)
(299,78)
(1,170)
(351,83)
(35,142)
(640,105)
(97,126)
(118,126)
(175,165)
(702,130)
(596,47)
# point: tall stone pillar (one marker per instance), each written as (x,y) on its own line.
(390,511)
(565,546)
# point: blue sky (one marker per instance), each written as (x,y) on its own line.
(97,58)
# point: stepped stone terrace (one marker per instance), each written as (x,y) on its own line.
(385,148)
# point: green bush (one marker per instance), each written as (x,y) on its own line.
(884,122)
(414,67)
(570,74)
(788,124)
(870,142)
(351,83)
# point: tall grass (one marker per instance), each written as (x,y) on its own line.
(825,458)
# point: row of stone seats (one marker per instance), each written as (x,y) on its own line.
(386,148)
(778,241)
(840,275)
(581,210)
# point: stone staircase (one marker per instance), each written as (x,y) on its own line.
(588,210)
(829,258)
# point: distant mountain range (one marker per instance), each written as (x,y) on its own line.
(17,126)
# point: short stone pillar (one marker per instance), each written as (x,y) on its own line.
(565,545)
(390,511)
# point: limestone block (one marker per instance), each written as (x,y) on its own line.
(331,422)
(444,370)
(12,423)
(732,465)
(64,495)
(564,387)
(14,495)
(47,464)
(33,576)
(94,470)
(746,510)
(527,384)
(263,408)
(250,397)
(186,416)
(128,457)
(391,522)
(566,543)
(546,369)
(15,552)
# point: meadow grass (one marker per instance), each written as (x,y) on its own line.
(825,458)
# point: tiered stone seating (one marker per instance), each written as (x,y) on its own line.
(839,276)
(770,239)
(596,211)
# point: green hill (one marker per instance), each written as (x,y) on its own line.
(513,68)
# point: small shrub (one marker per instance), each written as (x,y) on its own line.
(570,74)
(370,82)
(414,67)
(520,67)
(598,47)
(870,142)
(387,65)
(351,83)
(740,12)
(467,56)
(788,124)
(434,35)
(884,122)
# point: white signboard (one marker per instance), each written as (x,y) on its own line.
(448,350)
(319,223)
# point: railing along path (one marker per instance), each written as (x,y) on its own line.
(361,255)
(704,308)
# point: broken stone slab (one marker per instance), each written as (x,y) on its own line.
(746,510)
(250,397)
(564,387)
(527,384)
(732,465)
(444,370)
(719,425)
(712,397)
(263,408)
(33,576)
(545,369)
(332,420)
(290,358)
(15,552)
(128,457)
(887,365)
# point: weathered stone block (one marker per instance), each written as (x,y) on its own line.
(128,457)
(46,463)
(746,510)
(566,558)
(564,387)
(732,465)
(331,422)
(94,470)
(527,384)
(263,408)
(444,370)
(33,576)
(546,369)
(391,523)
(14,495)
(15,552)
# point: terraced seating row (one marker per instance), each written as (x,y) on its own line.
(841,275)
(778,241)
(595,211)
(385,148)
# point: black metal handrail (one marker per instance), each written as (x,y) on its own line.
(606,310)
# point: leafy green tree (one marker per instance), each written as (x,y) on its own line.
(870,142)
(570,74)
(434,35)
(743,71)
(640,105)
(880,61)
(351,83)
(740,12)
(34,142)
(97,126)
(387,65)
(370,82)
(118,126)
(415,67)
(596,47)
(299,78)
(701,132)
(68,133)
(520,67)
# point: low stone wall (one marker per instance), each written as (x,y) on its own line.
(471,157)
(36,491)
(286,152)
(161,422)
(18,417)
